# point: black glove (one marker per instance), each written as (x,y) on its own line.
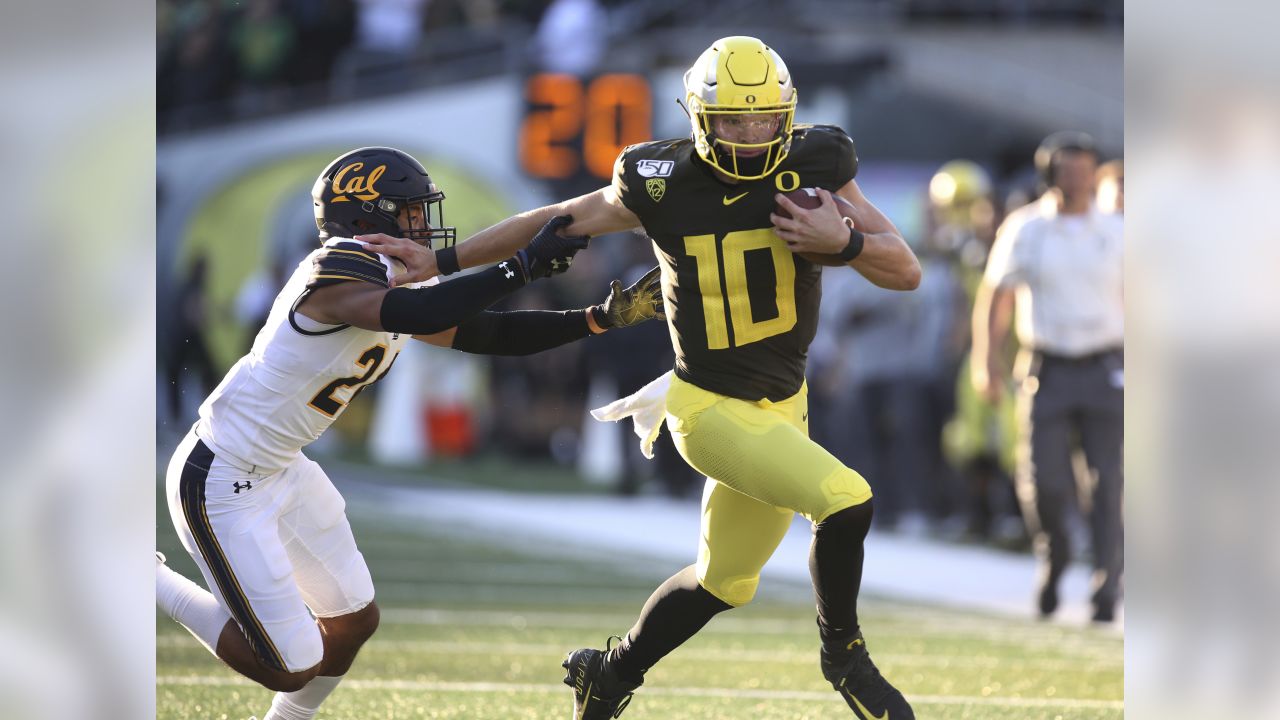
(638,303)
(550,253)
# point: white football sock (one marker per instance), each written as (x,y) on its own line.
(302,704)
(191,605)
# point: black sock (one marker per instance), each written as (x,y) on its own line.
(674,613)
(835,564)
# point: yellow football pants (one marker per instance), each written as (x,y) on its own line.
(761,469)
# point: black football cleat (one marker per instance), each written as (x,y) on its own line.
(598,693)
(856,678)
(1047,599)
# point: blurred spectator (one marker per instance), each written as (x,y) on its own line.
(633,359)
(187,353)
(389,26)
(539,400)
(468,14)
(195,70)
(876,437)
(256,295)
(1111,187)
(977,440)
(571,37)
(324,27)
(1060,261)
(263,39)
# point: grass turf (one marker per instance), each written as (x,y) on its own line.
(472,629)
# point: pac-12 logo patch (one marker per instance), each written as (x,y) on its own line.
(657,187)
(655,168)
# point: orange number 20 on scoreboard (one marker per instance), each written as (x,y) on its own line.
(573,126)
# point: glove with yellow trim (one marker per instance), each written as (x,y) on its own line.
(634,305)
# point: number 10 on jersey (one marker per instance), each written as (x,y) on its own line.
(734,247)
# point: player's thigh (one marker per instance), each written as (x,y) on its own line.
(329,569)
(761,452)
(234,538)
(738,536)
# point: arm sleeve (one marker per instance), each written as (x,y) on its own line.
(522,332)
(429,310)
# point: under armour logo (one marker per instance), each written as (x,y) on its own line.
(246,486)
(510,273)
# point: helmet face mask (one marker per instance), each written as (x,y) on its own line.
(739,81)
(427,224)
(367,190)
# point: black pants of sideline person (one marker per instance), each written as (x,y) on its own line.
(1068,403)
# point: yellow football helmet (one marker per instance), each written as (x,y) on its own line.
(960,195)
(959,183)
(740,76)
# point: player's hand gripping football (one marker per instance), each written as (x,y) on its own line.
(638,303)
(550,253)
(819,230)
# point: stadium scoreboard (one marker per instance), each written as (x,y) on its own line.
(574,127)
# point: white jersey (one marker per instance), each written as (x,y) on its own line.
(300,374)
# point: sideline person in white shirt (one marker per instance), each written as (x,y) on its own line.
(1059,263)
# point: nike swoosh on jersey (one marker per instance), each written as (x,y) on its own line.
(731,200)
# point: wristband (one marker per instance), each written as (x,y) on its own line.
(447,260)
(522,259)
(599,317)
(854,248)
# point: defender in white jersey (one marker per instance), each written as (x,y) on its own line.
(291,598)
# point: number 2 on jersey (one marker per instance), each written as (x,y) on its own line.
(369,360)
(735,247)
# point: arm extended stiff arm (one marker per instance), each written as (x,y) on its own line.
(428,310)
(522,332)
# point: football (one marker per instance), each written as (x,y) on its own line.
(808,198)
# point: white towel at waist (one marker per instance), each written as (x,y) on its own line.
(647,407)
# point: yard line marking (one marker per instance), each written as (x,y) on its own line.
(711,655)
(1085,646)
(490,687)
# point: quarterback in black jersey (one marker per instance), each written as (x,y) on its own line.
(742,308)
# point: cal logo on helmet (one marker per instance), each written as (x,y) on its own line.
(365,190)
(349,181)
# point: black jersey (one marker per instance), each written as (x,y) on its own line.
(741,307)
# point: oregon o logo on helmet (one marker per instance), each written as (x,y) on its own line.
(751,99)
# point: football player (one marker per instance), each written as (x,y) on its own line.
(290,599)
(741,290)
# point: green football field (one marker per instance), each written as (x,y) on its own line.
(473,628)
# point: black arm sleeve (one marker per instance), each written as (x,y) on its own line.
(522,332)
(428,310)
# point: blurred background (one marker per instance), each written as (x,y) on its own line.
(511,105)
